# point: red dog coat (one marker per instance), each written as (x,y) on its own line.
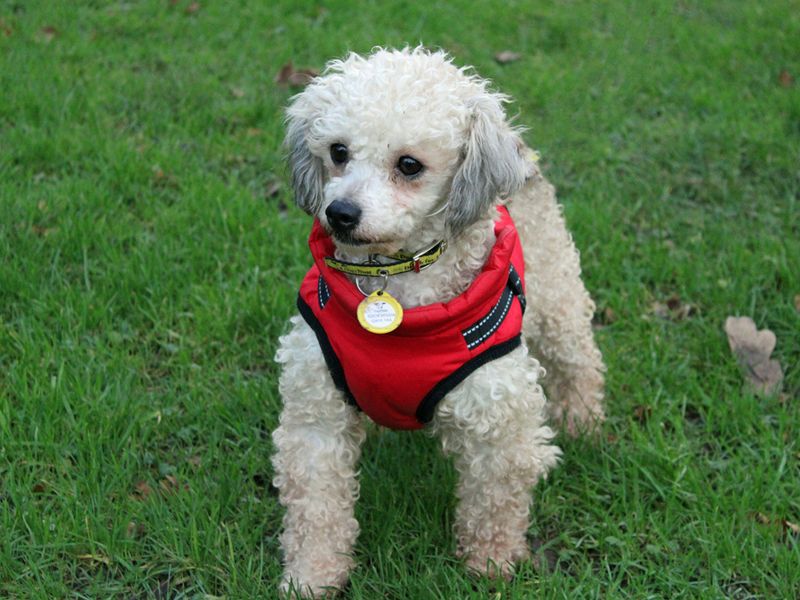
(397,378)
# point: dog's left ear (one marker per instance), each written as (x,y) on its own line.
(307,169)
(494,164)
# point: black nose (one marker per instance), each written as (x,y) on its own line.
(343,215)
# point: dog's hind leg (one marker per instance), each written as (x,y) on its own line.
(558,319)
(317,446)
(493,424)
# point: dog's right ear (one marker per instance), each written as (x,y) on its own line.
(307,169)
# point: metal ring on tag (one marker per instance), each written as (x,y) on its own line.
(384,274)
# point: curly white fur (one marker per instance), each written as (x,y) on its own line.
(416,103)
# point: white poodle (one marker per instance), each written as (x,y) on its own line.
(409,164)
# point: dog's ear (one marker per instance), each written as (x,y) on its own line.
(307,169)
(493,164)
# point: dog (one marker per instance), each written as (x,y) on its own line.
(425,199)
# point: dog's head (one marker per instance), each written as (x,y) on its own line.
(388,148)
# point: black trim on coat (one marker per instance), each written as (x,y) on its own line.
(426,408)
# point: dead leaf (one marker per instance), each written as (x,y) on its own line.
(785,79)
(237,92)
(142,490)
(252,132)
(43,231)
(507,56)
(673,309)
(642,413)
(761,518)
(192,8)
(95,558)
(5,28)
(195,461)
(790,527)
(135,530)
(273,189)
(289,76)
(39,488)
(752,349)
(797,302)
(48,33)
(162,179)
(605,317)
(170,485)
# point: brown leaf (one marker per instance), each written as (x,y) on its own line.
(273,189)
(142,490)
(752,349)
(195,461)
(171,485)
(135,530)
(95,558)
(192,8)
(5,28)
(797,302)
(289,76)
(48,33)
(761,518)
(252,132)
(642,413)
(507,56)
(672,309)
(791,528)
(39,488)
(607,316)
(785,79)
(237,92)
(162,179)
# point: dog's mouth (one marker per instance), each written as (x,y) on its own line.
(346,241)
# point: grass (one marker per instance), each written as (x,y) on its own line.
(146,271)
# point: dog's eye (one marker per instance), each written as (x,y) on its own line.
(409,166)
(339,154)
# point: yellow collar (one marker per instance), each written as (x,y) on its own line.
(403,263)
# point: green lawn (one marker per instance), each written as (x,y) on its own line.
(148,265)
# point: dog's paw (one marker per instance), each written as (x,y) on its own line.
(494,563)
(294,589)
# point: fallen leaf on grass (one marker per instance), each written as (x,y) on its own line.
(273,189)
(162,179)
(507,56)
(95,558)
(797,302)
(752,349)
(135,530)
(785,79)
(171,485)
(642,413)
(790,527)
(237,92)
(252,132)
(48,32)
(5,28)
(673,309)
(786,527)
(192,8)
(289,76)
(605,317)
(142,490)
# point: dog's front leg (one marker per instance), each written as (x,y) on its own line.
(493,423)
(317,447)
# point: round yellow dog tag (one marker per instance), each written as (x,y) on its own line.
(380,313)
